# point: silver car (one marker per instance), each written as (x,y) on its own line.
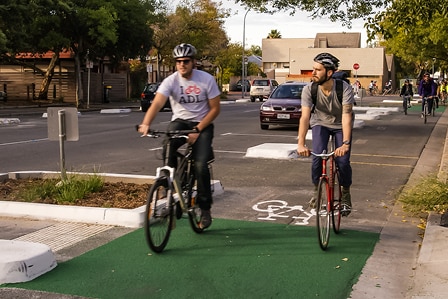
(262,88)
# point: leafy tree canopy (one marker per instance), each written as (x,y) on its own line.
(343,11)
(414,30)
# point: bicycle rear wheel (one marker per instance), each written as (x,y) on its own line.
(323,213)
(336,212)
(159,215)
(194,212)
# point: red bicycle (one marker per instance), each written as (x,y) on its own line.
(329,193)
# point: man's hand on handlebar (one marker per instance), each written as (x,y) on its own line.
(142,128)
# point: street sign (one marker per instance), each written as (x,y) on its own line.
(356,66)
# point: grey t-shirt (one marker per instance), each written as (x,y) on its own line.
(328,111)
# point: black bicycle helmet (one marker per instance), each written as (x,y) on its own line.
(184,50)
(327,60)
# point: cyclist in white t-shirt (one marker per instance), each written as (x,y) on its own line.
(195,101)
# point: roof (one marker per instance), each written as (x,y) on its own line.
(338,40)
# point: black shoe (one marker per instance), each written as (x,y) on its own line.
(178,211)
(206,219)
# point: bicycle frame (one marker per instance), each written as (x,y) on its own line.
(171,194)
(332,206)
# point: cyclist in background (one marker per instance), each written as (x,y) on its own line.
(407,93)
(442,91)
(195,102)
(427,90)
(330,116)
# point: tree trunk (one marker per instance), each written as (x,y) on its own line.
(43,92)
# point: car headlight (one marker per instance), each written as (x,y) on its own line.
(266,108)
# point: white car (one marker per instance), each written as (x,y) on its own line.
(262,88)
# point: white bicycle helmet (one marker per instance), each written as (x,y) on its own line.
(184,50)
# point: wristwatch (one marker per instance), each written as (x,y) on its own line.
(346,142)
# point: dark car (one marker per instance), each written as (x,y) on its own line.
(147,96)
(283,107)
(239,85)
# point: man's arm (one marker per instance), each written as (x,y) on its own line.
(215,108)
(157,104)
(347,120)
(304,125)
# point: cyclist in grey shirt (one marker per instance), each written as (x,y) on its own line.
(329,117)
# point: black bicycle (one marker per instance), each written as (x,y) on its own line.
(172,194)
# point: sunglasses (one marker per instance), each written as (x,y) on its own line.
(184,61)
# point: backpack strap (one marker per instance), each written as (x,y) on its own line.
(339,92)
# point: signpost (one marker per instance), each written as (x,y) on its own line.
(356,67)
(62,125)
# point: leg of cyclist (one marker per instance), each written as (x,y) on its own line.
(176,124)
(430,103)
(202,150)
(405,105)
(321,135)
(345,175)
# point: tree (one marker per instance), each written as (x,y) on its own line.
(414,30)
(115,29)
(198,22)
(274,34)
(336,10)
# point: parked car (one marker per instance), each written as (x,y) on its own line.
(262,88)
(239,85)
(147,96)
(283,107)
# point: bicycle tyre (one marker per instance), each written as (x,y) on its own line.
(194,212)
(337,199)
(425,112)
(323,213)
(159,215)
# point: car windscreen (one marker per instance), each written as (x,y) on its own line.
(288,92)
(261,83)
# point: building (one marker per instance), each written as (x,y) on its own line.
(292,58)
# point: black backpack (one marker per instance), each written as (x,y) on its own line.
(339,92)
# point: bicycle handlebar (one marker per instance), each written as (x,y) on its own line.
(170,134)
(323,155)
(295,155)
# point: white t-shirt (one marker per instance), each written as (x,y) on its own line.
(189,97)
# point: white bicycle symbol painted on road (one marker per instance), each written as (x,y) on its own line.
(280,209)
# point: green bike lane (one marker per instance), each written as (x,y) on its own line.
(234,259)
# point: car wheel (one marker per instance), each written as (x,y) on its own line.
(252,99)
(264,127)
(260,99)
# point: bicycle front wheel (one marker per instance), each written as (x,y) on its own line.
(323,213)
(159,214)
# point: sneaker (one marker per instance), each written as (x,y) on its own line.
(346,202)
(313,199)
(421,116)
(206,219)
